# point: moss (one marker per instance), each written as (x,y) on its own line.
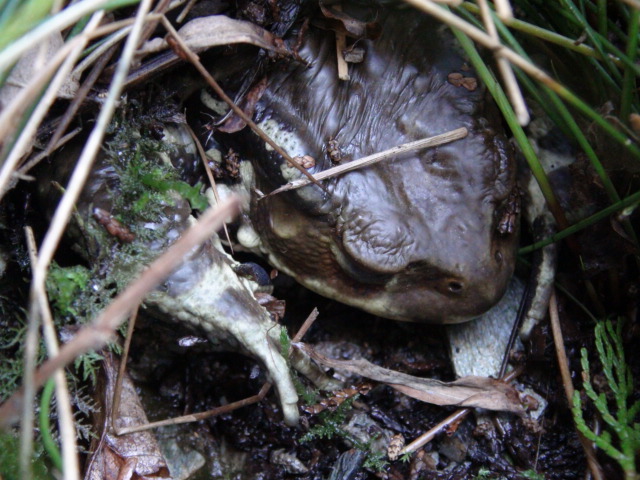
(9,458)
(64,285)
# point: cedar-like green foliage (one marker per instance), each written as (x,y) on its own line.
(621,437)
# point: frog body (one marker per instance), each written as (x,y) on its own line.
(414,238)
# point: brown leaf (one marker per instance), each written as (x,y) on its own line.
(471,391)
(352,27)
(248,105)
(215,30)
(135,455)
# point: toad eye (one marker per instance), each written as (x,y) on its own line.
(454,286)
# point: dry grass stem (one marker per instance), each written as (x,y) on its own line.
(24,169)
(91,148)
(99,332)
(506,72)
(341,45)
(195,60)
(212,181)
(66,421)
(440,139)
(57,23)
(194,417)
(77,101)
(563,364)
(25,408)
(504,10)
(10,117)
(117,389)
(185,11)
(484,39)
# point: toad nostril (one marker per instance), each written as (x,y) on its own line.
(455,287)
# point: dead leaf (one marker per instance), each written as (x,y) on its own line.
(135,455)
(31,63)
(248,105)
(205,32)
(471,391)
(343,23)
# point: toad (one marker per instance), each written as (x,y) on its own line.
(416,238)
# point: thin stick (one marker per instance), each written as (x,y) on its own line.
(567,383)
(341,45)
(185,51)
(117,390)
(504,10)
(306,325)
(202,415)
(11,116)
(508,77)
(66,423)
(378,157)
(98,333)
(54,24)
(194,417)
(455,417)
(212,182)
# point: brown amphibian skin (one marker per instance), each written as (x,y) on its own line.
(416,238)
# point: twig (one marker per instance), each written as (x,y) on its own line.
(504,10)
(194,417)
(341,45)
(66,424)
(508,77)
(426,437)
(185,51)
(455,417)
(305,326)
(98,333)
(117,390)
(10,117)
(202,415)
(212,182)
(377,157)
(56,23)
(563,364)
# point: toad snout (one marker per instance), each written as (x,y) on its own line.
(424,272)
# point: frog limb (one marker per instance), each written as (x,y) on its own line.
(221,304)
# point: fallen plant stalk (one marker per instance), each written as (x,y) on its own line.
(563,364)
(194,417)
(98,333)
(184,51)
(67,428)
(440,139)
